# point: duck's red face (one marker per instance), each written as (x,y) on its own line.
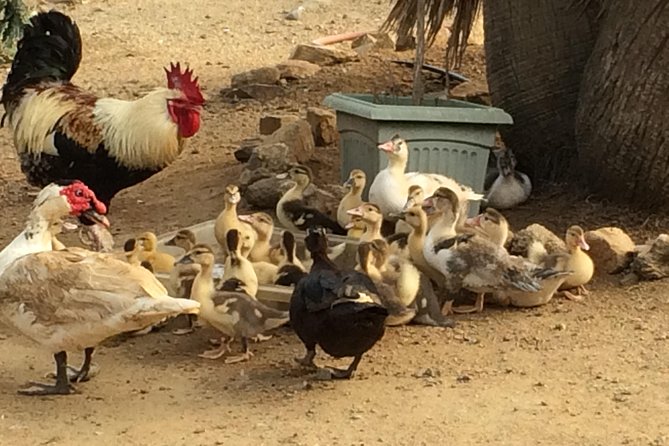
(185,110)
(83,201)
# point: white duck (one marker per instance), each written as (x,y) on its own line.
(511,187)
(73,299)
(390,187)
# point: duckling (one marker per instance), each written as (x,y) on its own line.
(493,225)
(292,211)
(390,186)
(289,272)
(416,196)
(344,254)
(263,224)
(160,261)
(184,239)
(353,198)
(416,218)
(228,219)
(335,309)
(237,266)
(230,310)
(511,187)
(579,262)
(398,313)
(373,219)
(413,289)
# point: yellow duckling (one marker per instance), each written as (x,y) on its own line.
(160,262)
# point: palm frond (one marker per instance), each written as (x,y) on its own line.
(403,18)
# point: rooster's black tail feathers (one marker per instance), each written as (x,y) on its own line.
(50,50)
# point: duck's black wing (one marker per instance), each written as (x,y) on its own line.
(305,217)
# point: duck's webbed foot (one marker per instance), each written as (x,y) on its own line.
(308,359)
(62,386)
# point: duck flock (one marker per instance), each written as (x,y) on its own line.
(408,255)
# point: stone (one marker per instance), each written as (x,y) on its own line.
(245,150)
(325,200)
(364,44)
(295,14)
(323,55)
(384,41)
(297,136)
(261,92)
(274,157)
(264,193)
(323,126)
(472,91)
(293,69)
(269,124)
(608,248)
(264,75)
(405,44)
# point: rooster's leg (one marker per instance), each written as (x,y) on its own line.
(62,386)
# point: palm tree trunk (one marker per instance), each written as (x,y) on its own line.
(622,125)
(536,51)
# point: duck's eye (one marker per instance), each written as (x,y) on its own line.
(79,193)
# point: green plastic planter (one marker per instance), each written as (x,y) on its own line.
(449,137)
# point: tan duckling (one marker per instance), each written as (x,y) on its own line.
(416,218)
(230,310)
(263,224)
(579,262)
(353,198)
(237,266)
(373,219)
(161,262)
(398,313)
(344,254)
(184,239)
(416,196)
(183,275)
(228,219)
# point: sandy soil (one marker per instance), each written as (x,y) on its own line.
(591,373)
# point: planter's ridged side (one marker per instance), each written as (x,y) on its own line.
(451,138)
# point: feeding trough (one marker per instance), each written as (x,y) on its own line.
(204,233)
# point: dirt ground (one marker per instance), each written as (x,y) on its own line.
(590,373)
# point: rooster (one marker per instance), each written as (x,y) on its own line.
(63,132)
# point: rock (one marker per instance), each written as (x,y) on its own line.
(274,157)
(295,14)
(261,92)
(323,126)
(323,55)
(384,41)
(294,69)
(297,136)
(264,75)
(269,124)
(473,91)
(364,44)
(264,193)
(608,248)
(405,44)
(243,154)
(245,150)
(325,200)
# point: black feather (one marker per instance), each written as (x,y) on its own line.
(50,50)
(304,217)
(400,238)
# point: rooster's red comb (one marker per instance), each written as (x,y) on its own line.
(176,79)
